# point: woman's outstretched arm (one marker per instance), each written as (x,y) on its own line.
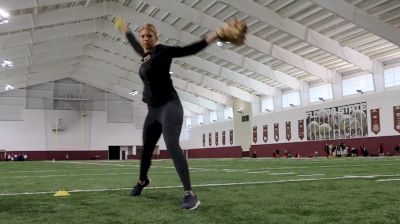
(192,48)
(131,38)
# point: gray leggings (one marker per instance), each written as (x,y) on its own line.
(166,119)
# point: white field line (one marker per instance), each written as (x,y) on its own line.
(197,169)
(269,168)
(265,171)
(196,185)
(111,164)
(67,175)
(234,170)
(321,159)
(203,169)
(386,180)
(123,165)
(389,175)
(302,167)
(311,175)
(97,174)
(93,163)
(86,169)
(29,171)
(81,175)
(361,176)
(78,168)
(276,174)
(375,176)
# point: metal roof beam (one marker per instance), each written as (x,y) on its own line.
(303,33)
(362,19)
(211,23)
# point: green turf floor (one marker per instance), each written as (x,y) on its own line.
(343,190)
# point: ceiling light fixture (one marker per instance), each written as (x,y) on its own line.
(7,63)
(4,16)
(133,92)
(9,87)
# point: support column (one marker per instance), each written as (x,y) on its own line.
(277,98)
(304,94)
(379,78)
(242,130)
(337,87)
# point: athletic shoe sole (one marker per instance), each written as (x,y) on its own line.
(193,208)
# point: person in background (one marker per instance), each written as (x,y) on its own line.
(273,154)
(353,152)
(362,149)
(326,149)
(254,154)
(397,149)
(366,153)
(285,153)
(381,153)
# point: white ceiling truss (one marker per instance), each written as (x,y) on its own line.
(290,42)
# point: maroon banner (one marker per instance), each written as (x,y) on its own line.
(231,137)
(209,139)
(216,138)
(265,133)
(396,117)
(301,129)
(288,131)
(204,140)
(255,134)
(375,121)
(276,132)
(223,137)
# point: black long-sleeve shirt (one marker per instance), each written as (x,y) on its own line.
(155,67)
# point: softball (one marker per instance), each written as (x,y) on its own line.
(118,23)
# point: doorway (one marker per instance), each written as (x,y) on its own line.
(113,152)
(123,155)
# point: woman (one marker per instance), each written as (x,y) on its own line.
(165,112)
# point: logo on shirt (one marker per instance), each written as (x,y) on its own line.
(145,59)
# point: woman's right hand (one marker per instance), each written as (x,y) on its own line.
(124,26)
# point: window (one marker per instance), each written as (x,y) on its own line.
(320,93)
(267,104)
(355,85)
(185,136)
(213,116)
(290,99)
(200,119)
(228,113)
(188,122)
(392,76)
